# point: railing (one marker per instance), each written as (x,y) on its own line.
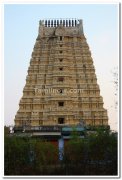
(58,22)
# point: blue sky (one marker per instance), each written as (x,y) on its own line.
(21,22)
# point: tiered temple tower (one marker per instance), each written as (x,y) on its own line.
(61,86)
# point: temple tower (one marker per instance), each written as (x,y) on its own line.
(61,86)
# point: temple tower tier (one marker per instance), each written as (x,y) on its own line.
(61,86)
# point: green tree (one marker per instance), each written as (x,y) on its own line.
(16,155)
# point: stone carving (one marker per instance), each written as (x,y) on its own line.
(60,31)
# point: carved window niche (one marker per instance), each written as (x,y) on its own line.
(61,68)
(61,103)
(60,38)
(60,91)
(60,59)
(60,79)
(61,120)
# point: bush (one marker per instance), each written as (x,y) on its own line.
(96,154)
